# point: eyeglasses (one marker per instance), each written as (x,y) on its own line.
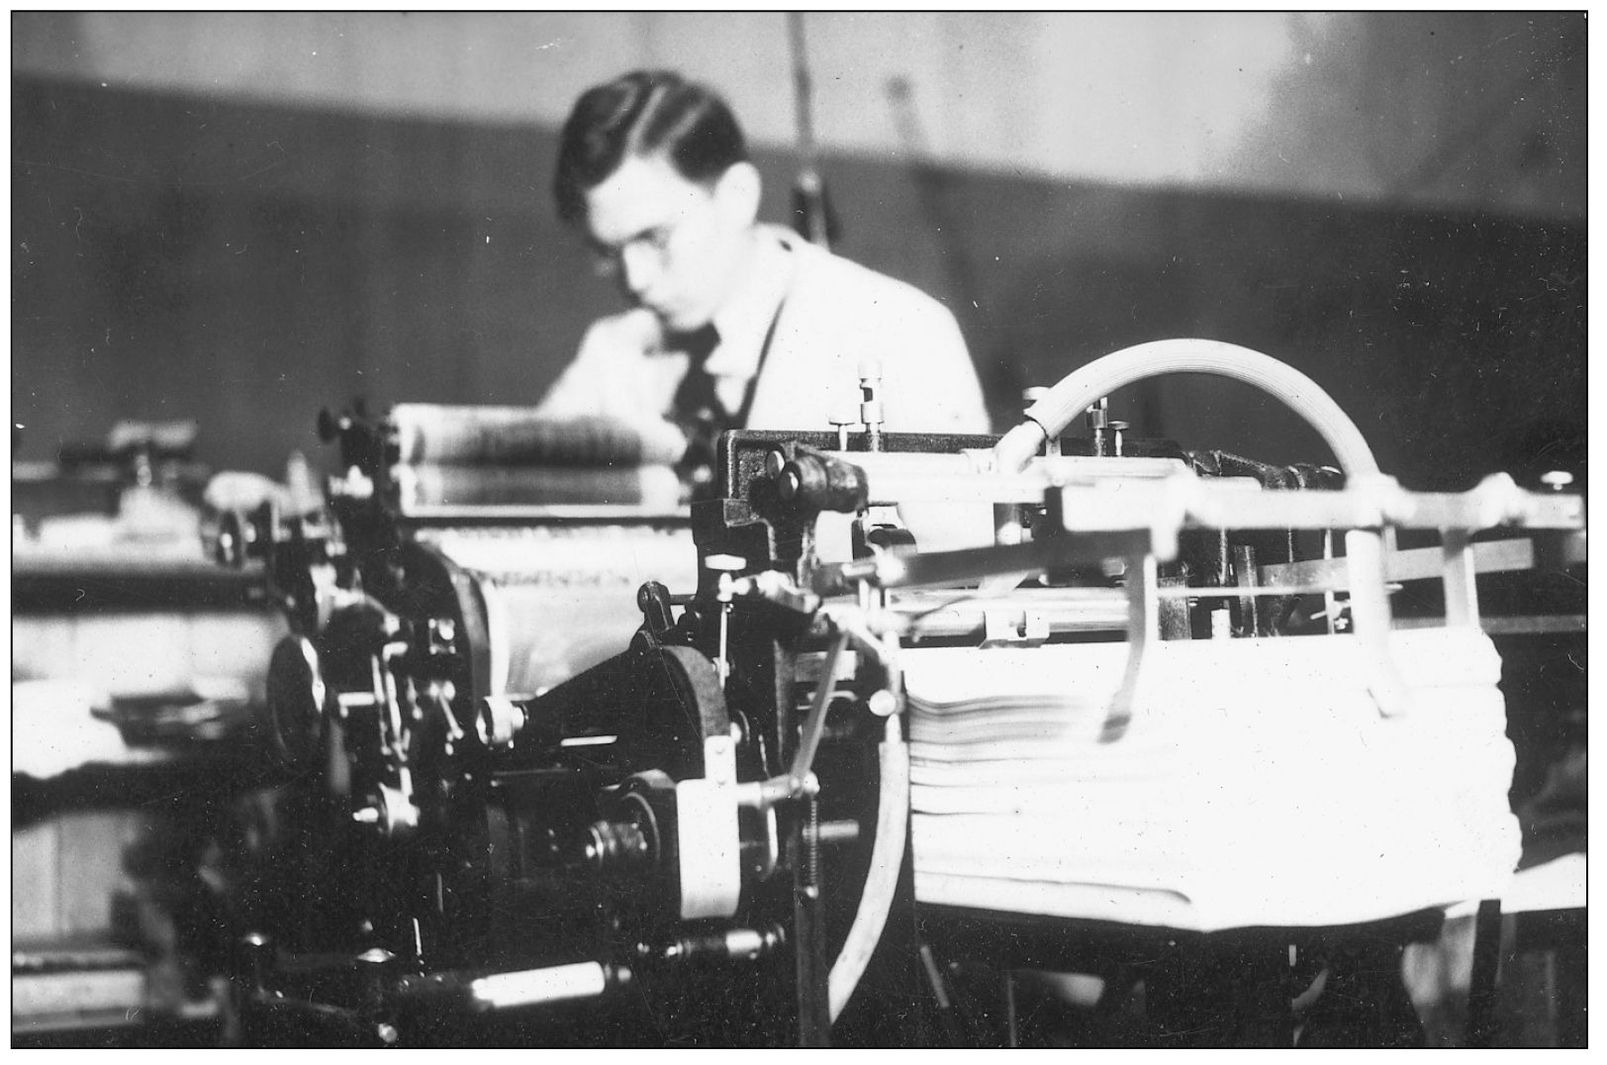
(609,260)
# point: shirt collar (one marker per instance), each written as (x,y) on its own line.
(745,320)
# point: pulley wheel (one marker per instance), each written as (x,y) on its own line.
(296,701)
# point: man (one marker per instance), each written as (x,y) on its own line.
(732,323)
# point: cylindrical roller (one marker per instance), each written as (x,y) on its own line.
(465,485)
(930,477)
(558,601)
(534,987)
(491,435)
(824,483)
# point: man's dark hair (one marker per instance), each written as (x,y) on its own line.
(645,112)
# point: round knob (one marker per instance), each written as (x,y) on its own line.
(1557,480)
(882,703)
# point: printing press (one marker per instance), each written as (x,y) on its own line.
(879,727)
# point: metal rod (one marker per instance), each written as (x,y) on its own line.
(1423,563)
(810,187)
(892,570)
(816,722)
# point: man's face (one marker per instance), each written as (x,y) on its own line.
(676,246)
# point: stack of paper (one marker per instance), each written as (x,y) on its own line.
(1257,782)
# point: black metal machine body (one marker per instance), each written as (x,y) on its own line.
(696,840)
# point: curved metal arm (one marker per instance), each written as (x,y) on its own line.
(1049,416)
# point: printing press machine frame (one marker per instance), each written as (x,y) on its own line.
(706,839)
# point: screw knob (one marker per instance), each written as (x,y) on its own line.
(1557,480)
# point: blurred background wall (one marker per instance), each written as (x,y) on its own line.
(241,218)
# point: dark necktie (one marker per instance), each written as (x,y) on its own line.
(697,406)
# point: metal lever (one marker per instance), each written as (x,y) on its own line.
(653,600)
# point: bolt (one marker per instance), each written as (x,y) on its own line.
(387,1034)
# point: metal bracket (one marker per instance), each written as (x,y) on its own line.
(1014,627)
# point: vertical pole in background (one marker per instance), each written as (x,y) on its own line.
(811,209)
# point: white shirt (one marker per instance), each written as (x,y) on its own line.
(830,316)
